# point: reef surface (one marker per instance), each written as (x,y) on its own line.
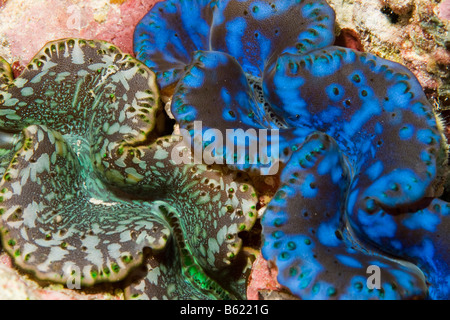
(414,33)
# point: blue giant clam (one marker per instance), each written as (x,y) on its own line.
(363,155)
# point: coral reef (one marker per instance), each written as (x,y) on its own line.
(361,152)
(444,10)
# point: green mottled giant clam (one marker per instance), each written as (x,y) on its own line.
(90,190)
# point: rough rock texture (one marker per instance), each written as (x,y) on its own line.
(263,284)
(444,10)
(412,32)
(109,20)
(16,286)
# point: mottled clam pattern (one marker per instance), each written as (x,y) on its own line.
(90,192)
(90,188)
(363,156)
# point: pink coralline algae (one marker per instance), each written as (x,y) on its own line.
(445,10)
(113,22)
